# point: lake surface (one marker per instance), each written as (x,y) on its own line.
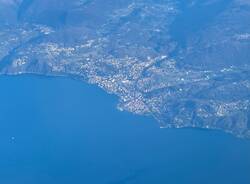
(62,131)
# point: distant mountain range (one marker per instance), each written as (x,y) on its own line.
(184,62)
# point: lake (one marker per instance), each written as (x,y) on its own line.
(63,131)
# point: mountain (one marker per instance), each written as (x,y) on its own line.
(186,63)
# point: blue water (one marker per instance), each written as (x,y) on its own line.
(61,131)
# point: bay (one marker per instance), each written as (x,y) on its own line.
(56,130)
